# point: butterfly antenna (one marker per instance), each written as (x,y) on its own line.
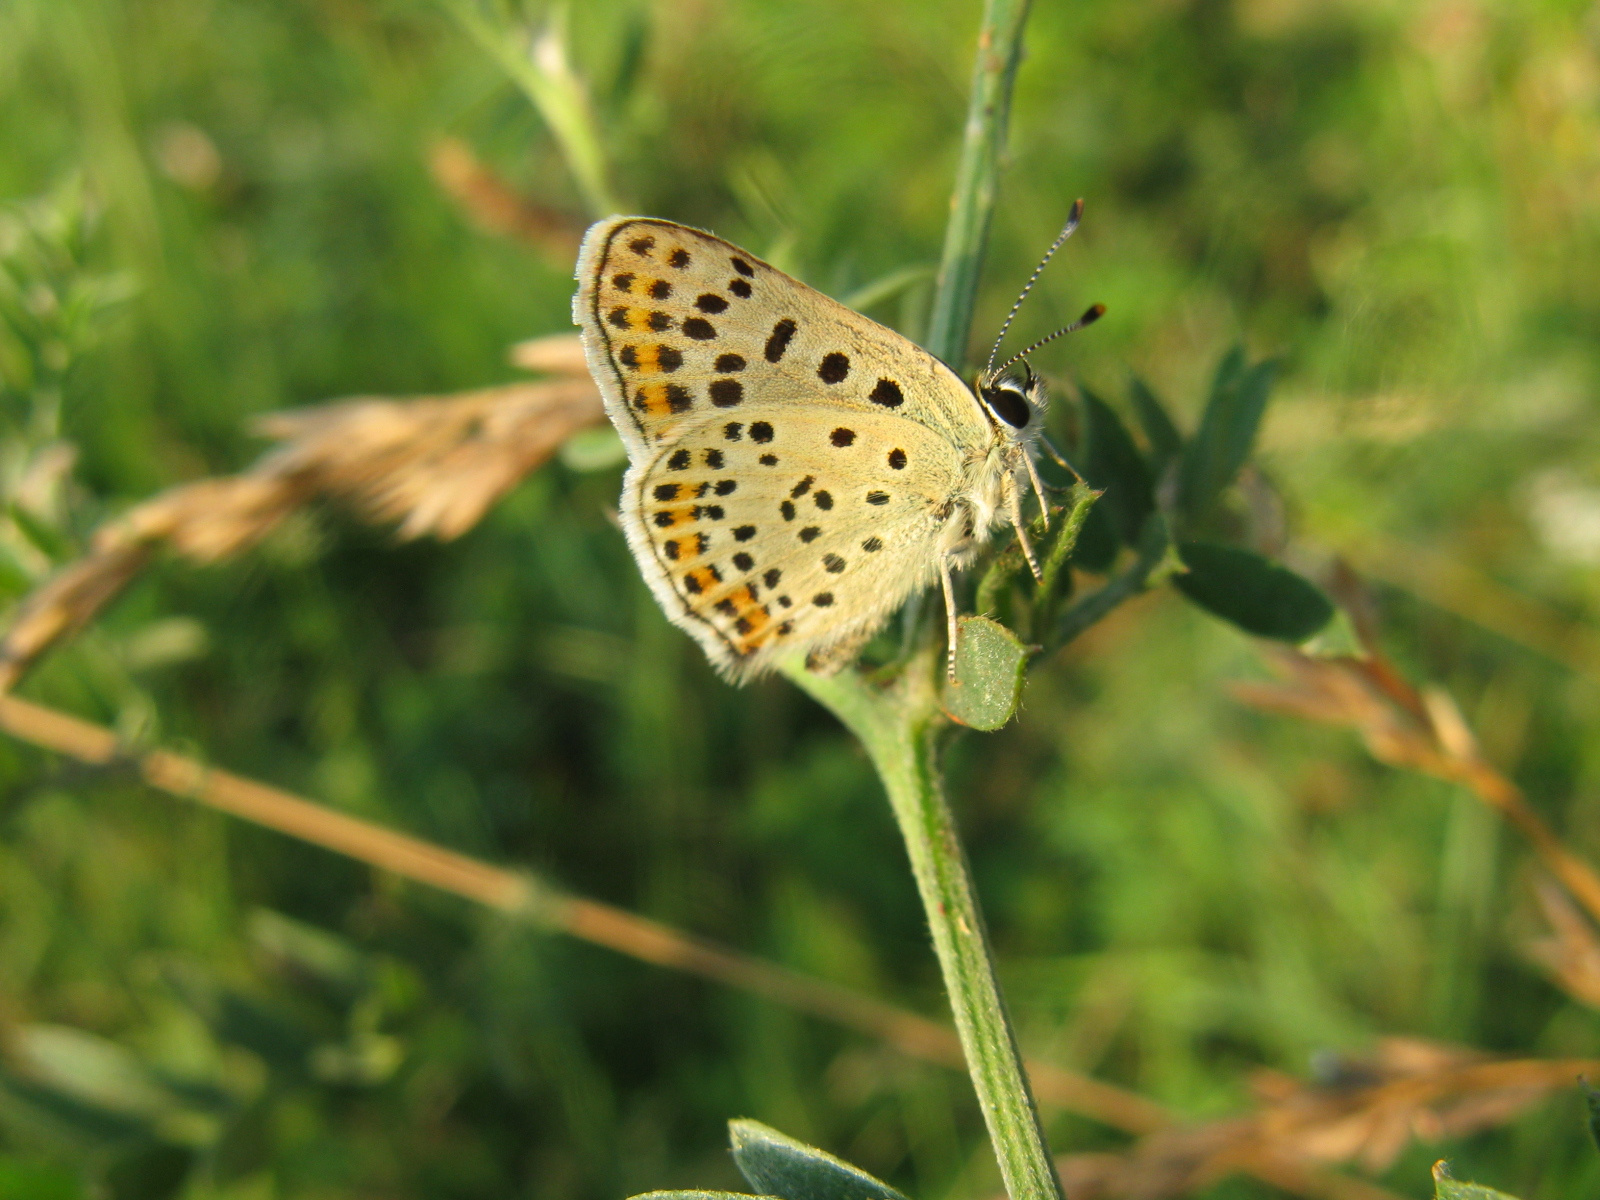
(1072,223)
(1093,314)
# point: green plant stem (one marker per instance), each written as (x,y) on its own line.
(977,179)
(899,726)
(544,74)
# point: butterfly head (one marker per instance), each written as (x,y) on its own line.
(1015,401)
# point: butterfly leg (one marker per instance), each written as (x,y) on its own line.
(1061,459)
(949,618)
(1038,490)
(1014,502)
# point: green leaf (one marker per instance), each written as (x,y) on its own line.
(988,682)
(1254,593)
(1068,530)
(1166,443)
(1227,431)
(40,1107)
(1112,464)
(781,1166)
(1097,542)
(91,1069)
(1447,1188)
(697,1196)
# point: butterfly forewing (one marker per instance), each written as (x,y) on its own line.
(791,461)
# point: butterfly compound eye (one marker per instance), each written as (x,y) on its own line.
(1009,405)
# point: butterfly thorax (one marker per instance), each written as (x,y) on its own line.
(1015,409)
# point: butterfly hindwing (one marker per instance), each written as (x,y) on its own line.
(791,461)
(773,534)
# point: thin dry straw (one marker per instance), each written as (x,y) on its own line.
(526,897)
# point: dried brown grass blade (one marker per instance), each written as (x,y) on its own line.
(433,465)
(1408,1090)
(495,206)
(1572,952)
(553,354)
(1415,731)
(524,896)
(1173,1149)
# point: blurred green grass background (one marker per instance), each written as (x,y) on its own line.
(1401,199)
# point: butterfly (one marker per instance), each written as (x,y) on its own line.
(795,469)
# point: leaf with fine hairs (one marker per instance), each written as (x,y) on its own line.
(1252,592)
(1447,1188)
(989,670)
(781,1166)
(1227,430)
(1166,443)
(1112,464)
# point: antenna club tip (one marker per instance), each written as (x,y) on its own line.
(1096,311)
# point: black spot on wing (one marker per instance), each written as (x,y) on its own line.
(887,393)
(782,333)
(834,368)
